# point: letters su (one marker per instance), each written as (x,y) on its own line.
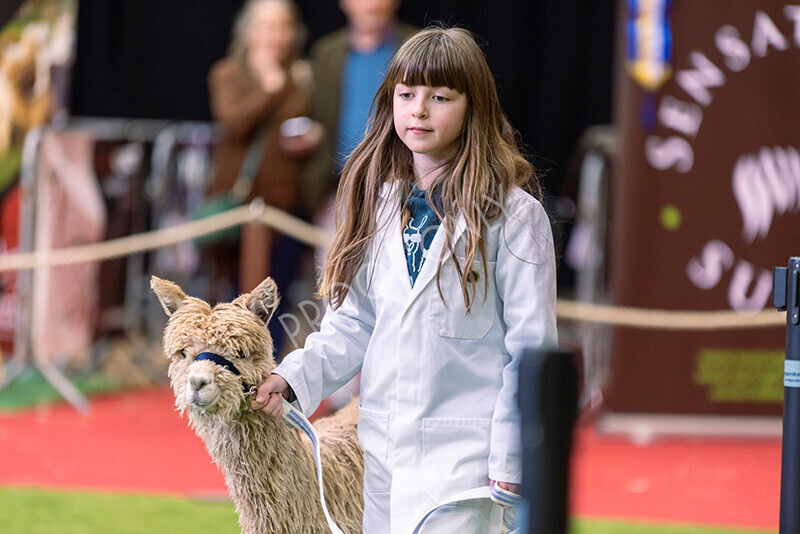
(746,291)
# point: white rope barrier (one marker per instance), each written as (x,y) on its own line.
(667,319)
(311,235)
(289,224)
(124,246)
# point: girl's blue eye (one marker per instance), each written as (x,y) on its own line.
(405,96)
(440,98)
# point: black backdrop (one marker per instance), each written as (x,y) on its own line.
(552,60)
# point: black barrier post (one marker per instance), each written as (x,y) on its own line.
(548,399)
(786,297)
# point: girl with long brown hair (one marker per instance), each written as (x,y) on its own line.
(441,273)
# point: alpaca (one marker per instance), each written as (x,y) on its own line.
(269,468)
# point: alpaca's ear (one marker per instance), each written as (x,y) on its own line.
(264,299)
(169,294)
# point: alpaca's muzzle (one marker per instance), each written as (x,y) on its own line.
(201,390)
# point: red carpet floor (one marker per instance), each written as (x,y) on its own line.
(723,481)
(137,442)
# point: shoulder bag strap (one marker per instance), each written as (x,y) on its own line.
(252,161)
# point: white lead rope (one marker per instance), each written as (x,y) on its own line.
(495,493)
(293,418)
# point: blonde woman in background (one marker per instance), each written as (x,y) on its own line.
(261,83)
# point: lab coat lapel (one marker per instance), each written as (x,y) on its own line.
(392,237)
(397,251)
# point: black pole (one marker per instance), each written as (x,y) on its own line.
(548,398)
(786,297)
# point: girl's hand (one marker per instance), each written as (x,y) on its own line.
(270,394)
(508,486)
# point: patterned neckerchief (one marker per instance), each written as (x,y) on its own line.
(419,231)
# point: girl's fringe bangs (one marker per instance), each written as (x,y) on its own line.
(433,64)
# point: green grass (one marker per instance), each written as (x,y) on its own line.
(32,511)
(10,163)
(598,526)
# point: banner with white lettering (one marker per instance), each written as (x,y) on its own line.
(706,197)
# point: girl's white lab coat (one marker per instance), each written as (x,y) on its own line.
(438,410)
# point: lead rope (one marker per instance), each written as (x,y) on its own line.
(294,419)
(496,494)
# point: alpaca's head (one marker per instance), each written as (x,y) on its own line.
(235,331)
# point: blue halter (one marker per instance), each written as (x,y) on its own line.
(223,362)
(219,360)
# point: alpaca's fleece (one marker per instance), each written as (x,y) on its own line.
(268,467)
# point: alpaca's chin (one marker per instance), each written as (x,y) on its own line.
(203,399)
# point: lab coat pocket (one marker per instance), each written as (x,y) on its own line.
(455,455)
(373,434)
(449,317)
